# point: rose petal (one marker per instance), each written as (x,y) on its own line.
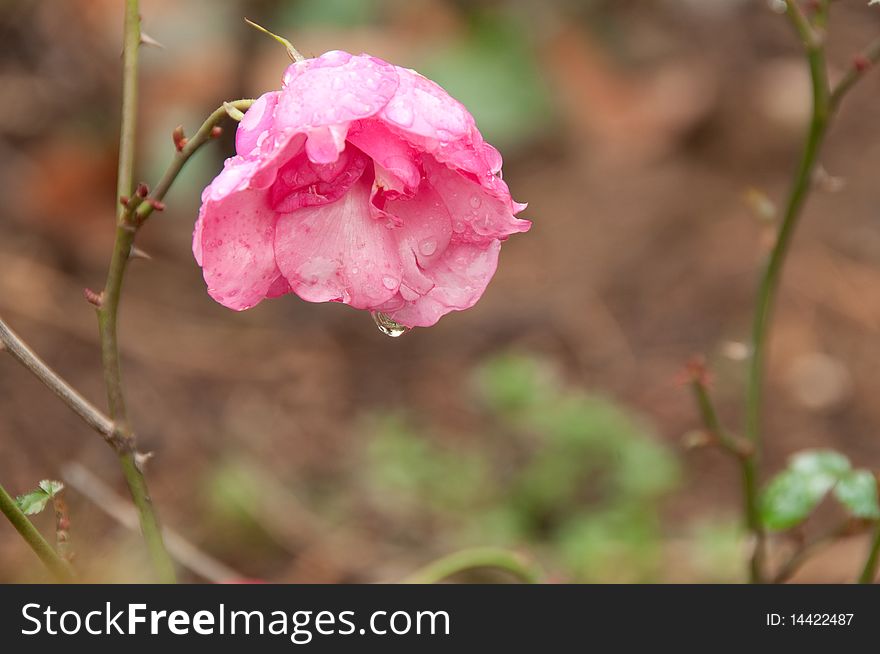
(322,96)
(476,214)
(339,252)
(238,259)
(301,183)
(398,164)
(423,111)
(460,277)
(257,120)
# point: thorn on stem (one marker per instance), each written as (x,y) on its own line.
(93,298)
(179,138)
(141,459)
(124,200)
(137,253)
(142,190)
(146,39)
(156,204)
(216,131)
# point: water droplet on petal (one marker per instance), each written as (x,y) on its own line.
(476,201)
(400,113)
(387,325)
(428,247)
(390,283)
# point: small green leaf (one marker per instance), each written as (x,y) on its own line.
(820,462)
(34,502)
(857,491)
(51,487)
(793,494)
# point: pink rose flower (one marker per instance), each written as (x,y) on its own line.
(358,182)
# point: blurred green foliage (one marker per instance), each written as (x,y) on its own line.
(584,477)
(491,69)
(489,64)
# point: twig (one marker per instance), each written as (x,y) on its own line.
(131,215)
(62,527)
(869,57)
(81,406)
(869,571)
(479,557)
(79,478)
(738,447)
(769,283)
(744,453)
(57,566)
(108,309)
(805,551)
(202,136)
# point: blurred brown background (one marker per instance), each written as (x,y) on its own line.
(296,443)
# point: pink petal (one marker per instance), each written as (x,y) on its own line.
(301,183)
(325,143)
(235,176)
(257,120)
(398,163)
(339,252)
(476,214)
(424,112)
(460,277)
(238,258)
(423,236)
(322,96)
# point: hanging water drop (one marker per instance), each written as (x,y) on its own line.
(387,325)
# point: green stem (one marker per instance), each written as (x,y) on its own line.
(478,557)
(108,311)
(869,572)
(870,56)
(744,453)
(56,565)
(767,288)
(202,136)
(805,551)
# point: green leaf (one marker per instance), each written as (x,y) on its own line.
(820,462)
(857,491)
(34,502)
(51,487)
(793,494)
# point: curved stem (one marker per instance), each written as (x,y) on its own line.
(766,296)
(805,551)
(56,565)
(869,572)
(479,557)
(108,311)
(202,136)
(93,417)
(870,56)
